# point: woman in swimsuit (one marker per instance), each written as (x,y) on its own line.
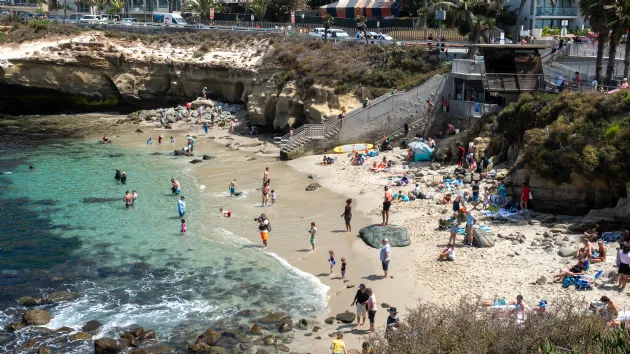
(347,215)
(313,232)
(265,193)
(331,260)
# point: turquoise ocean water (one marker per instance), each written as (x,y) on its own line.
(64,226)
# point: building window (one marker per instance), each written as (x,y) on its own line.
(83,7)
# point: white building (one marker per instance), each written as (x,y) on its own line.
(541,13)
(56,7)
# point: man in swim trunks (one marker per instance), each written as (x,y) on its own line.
(387,202)
(176,187)
(128,199)
(233,187)
(263,228)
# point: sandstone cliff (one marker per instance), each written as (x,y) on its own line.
(100,70)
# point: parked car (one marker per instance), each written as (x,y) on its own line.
(317,32)
(498,40)
(108,17)
(129,21)
(91,19)
(168,19)
(336,34)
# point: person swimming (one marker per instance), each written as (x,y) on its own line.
(105,140)
(225,213)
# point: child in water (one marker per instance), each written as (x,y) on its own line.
(331,260)
(344,266)
(134,194)
(225,213)
(149,142)
(183,228)
(273,196)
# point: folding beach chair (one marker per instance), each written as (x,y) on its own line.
(586,281)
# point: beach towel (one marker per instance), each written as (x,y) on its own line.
(611,236)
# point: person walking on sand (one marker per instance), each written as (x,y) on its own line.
(454,222)
(344,266)
(360,299)
(128,199)
(183,227)
(266,175)
(233,187)
(525,197)
(386,253)
(181,207)
(331,260)
(347,215)
(387,202)
(313,232)
(338,346)
(371,307)
(205,127)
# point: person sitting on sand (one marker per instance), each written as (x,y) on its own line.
(446,199)
(431,143)
(448,254)
(325,160)
(542,308)
(600,256)
(578,269)
(586,251)
(594,233)
(518,303)
(403,182)
(355,157)
(610,312)
(410,155)
(225,213)
(105,140)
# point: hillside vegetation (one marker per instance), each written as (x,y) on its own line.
(586,133)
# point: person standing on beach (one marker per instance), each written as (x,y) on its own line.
(461,152)
(331,260)
(525,197)
(361,299)
(263,227)
(212,120)
(150,142)
(470,221)
(233,187)
(454,222)
(387,202)
(183,228)
(347,215)
(160,140)
(266,175)
(181,207)
(371,307)
(265,193)
(386,253)
(128,199)
(313,232)
(344,266)
(338,346)
(205,127)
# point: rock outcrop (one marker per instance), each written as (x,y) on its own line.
(398,236)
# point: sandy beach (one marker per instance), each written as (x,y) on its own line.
(512,267)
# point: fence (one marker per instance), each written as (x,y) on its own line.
(468,67)
(471,109)
(511,82)
(590,50)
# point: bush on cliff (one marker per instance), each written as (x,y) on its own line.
(346,66)
(36,29)
(585,133)
(467,328)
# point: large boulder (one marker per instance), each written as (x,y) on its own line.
(397,235)
(31,301)
(208,337)
(566,251)
(482,239)
(201,102)
(80,336)
(346,317)
(313,186)
(105,345)
(36,317)
(60,296)
(90,326)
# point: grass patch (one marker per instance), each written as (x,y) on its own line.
(35,29)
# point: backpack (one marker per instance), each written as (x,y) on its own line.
(268,226)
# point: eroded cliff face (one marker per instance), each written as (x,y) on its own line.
(100,70)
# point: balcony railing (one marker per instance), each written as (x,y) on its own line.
(468,67)
(472,109)
(556,11)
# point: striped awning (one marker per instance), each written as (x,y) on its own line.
(367,8)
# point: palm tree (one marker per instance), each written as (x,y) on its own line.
(328,21)
(115,6)
(202,7)
(362,26)
(258,8)
(622,16)
(594,11)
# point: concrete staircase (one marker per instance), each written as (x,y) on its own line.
(328,132)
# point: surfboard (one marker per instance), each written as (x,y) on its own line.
(352,147)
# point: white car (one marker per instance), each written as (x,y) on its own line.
(498,41)
(91,19)
(370,35)
(337,34)
(316,32)
(129,21)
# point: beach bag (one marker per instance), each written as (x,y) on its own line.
(530,196)
(268,226)
(461,217)
(567,282)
